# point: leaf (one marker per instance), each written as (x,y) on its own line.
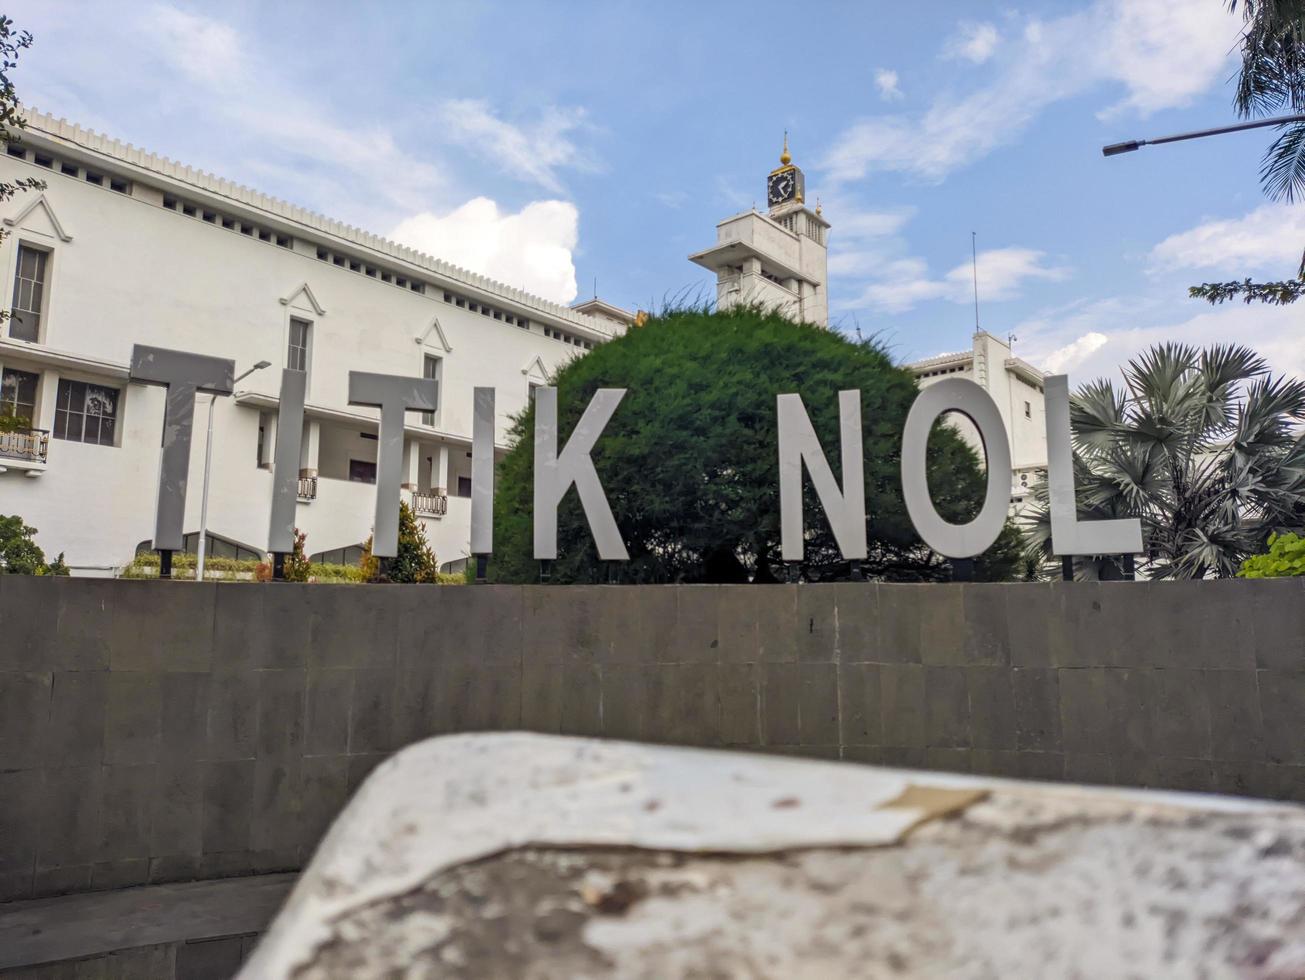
(1282,171)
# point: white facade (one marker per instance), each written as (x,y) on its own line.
(1017,388)
(138,249)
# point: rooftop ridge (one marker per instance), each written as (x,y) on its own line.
(940,359)
(105,145)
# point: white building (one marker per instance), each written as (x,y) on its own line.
(777,260)
(125,247)
(1017,388)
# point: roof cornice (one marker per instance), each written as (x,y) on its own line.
(60,130)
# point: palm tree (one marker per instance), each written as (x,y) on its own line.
(1272,78)
(1205,447)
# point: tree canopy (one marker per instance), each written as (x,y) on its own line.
(1271,79)
(20,554)
(689,461)
(1204,446)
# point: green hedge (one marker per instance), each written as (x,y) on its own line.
(146,565)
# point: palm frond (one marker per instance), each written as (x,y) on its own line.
(1273,56)
(1266,418)
(1282,171)
(1096,412)
(1154,375)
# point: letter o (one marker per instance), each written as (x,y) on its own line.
(966,397)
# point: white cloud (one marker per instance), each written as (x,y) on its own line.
(205,68)
(1161,59)
(199,73)
(531,249)
(973,42)
(1165,57)
(886,81)
(1270,238)
(1073,354)
(855,224)
(205,50)
(532,152)
(1095,339)
(902,284)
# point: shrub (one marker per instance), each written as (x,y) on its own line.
(319,572)
(20,555)
(688,461)
(415,561)
(296,563)
(10,422)
(1285,557)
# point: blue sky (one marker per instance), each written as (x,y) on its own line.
(549,144)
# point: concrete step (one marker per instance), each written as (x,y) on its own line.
(189,931)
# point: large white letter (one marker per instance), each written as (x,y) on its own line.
(976,537)
(1069,535)
(394,395)
(285,461)
(554,474)
(798,444)
(482,471)
(183,375)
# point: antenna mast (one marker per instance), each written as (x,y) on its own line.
(974,260)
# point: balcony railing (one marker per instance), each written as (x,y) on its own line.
(430,504)
(26,444)
(308,488)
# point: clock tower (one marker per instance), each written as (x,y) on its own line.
(777,260)
(785,186)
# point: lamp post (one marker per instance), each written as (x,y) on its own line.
(208,459)
(1114,149)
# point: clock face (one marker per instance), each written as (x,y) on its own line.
(780,187)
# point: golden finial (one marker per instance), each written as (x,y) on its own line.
(817,206)
(784,158)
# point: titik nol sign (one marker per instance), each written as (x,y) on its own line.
(184,375)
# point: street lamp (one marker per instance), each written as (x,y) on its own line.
(208,459)
(1114,149)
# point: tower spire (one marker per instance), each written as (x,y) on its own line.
(785,158)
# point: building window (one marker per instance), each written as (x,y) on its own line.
(431,370)
(1028,410)
(464,486)
(361,471)
(262,438)
(297,356)
(86,412)
(18,396)
(29,293)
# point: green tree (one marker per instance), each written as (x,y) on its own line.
(12,42)
(1203,446)
(415,561)
(20,555)
(1271,79)
(689,460)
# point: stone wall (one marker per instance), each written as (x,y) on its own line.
(160,731)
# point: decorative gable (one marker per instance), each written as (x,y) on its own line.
(535,370)
(303,298)
(38,217)
(436,332)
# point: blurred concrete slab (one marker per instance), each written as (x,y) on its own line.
(513,855)
(93,925)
